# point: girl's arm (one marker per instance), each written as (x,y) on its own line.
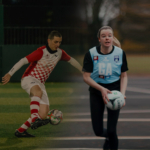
(92,83)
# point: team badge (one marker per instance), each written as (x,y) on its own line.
(105,59)
(116,58)
(47,56)
(95,57)
(101,76)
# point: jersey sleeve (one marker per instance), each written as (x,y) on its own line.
(87,63)
(35,56)
(124,66)
(65,56)
(18,65)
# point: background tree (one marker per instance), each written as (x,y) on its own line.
(133,25)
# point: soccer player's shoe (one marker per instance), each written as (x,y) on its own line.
(23,134)
(106,145)
(39,122)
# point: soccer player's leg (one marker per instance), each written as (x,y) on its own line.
(21,132)
(33,87)
(43,115)
(27,83)
(43,111)
(36,94)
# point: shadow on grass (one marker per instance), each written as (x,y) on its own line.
(11,142)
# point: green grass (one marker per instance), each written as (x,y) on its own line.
(138,65)
(14,111)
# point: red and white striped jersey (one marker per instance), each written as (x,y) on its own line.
(42,62)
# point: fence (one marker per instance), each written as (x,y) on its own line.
(38,35)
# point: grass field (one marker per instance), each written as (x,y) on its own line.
(14,111)
(139,65)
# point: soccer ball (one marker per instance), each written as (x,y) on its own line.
(116,100)
(55,116)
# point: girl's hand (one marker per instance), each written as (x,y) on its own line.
(124,101)
(104,92)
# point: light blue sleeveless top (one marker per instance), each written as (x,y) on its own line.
(106,68)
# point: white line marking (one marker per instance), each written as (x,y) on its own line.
(134,89)
(135,111)
(138,97)
(120,120)
(121,112)
(77,114)
(101,138)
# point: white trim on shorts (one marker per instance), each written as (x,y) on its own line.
(28,82)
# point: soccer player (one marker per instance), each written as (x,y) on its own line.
(42,62)
(105,69)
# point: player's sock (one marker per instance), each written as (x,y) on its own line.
(34,107)
(25,126)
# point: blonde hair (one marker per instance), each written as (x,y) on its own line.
(116,42)
(103,28)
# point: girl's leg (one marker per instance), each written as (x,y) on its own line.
(97,110)
(112,120)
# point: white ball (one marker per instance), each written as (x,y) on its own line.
(116,100)
(55,116)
